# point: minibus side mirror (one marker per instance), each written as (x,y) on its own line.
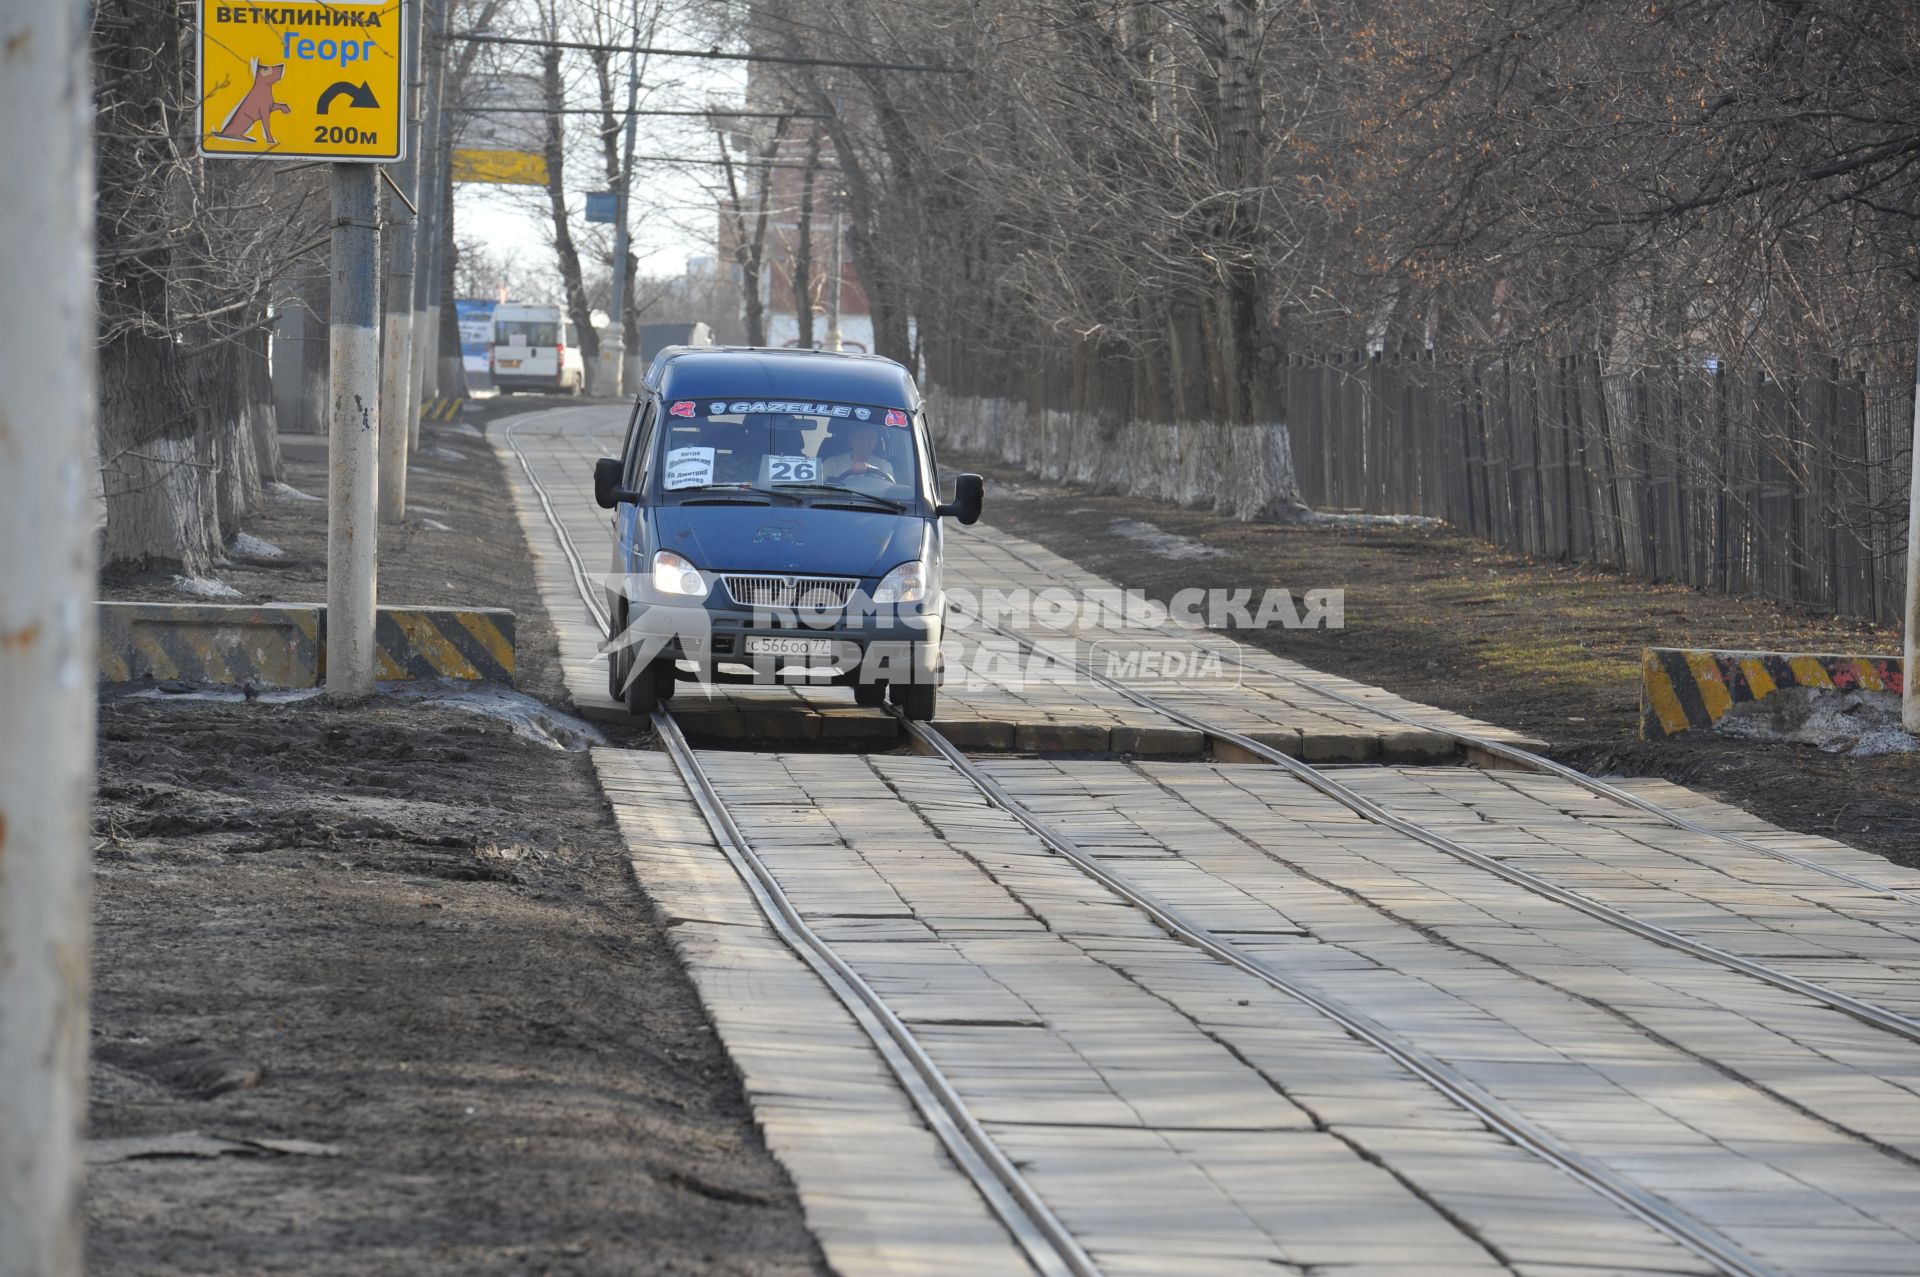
(969,490)
(606,484)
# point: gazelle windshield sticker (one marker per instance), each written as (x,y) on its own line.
(689,467)
(786,407)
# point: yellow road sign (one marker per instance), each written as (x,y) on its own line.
(314,80)
(501,168)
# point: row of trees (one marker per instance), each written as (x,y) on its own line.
(197,264)
(1172,196)
(189,257)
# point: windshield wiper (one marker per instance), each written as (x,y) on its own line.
(896,506)
(741,488)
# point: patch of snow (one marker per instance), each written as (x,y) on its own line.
(431,525)
(423,509)
(249,546)
(206,587)
(1859,724)
(446,454)
(530,719)
(465,429)
(1326,519)
(226,695)
(1167,545)
(287,492)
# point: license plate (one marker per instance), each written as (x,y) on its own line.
(509,363)
(789,646)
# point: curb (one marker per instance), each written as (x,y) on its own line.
(1686,688)
(283,645)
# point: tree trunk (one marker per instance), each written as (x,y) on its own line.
(803,245)
(160,509)
(750,236)
(262,416)
(571,279)
(155,476)
(1242,172)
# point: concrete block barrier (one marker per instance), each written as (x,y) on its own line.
(269,646)
(1686,688)
(283,645)
(428,642)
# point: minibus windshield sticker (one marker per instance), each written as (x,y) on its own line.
(786,407)
(689,467)
(793,470)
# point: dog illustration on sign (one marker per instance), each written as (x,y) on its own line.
(257,107)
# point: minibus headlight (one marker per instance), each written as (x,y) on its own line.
(905,584)
(672,574)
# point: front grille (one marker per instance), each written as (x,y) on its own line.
(813,592)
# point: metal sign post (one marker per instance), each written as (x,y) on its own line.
(325,82)
(47,653)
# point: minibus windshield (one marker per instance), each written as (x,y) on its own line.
(813,449)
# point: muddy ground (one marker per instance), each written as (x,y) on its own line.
(406,939)
(1549,649)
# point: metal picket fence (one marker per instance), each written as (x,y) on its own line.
(1791,488)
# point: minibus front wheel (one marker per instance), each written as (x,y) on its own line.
(916,701)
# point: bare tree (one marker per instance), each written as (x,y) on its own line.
(554,98)
(191,256)
(746,229)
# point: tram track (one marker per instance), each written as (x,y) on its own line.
(1046,1241)
(1523,759)
(1327,785)
(1497,1116)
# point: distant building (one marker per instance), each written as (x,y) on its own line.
(780,257)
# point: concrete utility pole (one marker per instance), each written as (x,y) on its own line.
(397,404)
(433,213)
(834,269)
(353,446)
(1910,699)
(613,348)
(46,632)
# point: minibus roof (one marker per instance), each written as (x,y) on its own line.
(694,372)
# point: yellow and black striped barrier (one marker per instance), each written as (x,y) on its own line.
(1685,688)
(442,409)
(283,645)
(268,646)
(442,643)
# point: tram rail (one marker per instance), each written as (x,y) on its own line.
(1046,1241)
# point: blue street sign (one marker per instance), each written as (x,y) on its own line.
(602,206)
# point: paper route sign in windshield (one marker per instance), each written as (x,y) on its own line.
(790,407)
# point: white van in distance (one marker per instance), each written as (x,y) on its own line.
(535,348)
